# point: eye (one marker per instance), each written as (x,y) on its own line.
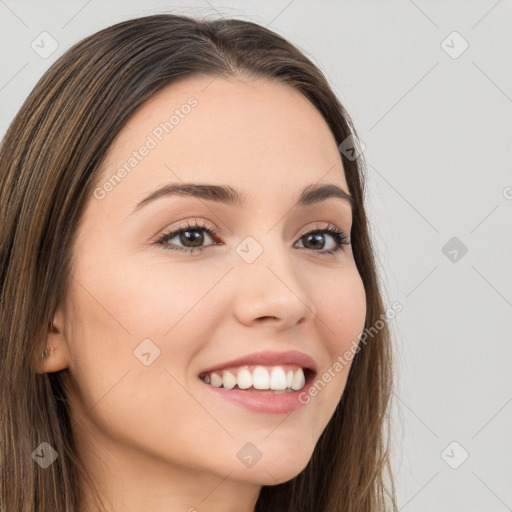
(190,235)
(317,237)
(192,238)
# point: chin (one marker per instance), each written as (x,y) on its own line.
(275,471)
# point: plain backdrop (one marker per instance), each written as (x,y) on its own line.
(429,87)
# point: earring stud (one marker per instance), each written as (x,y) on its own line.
(46,353)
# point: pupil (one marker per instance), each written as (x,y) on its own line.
(317,237)
(193,236)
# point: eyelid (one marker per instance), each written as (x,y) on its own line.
(191,223)
(319,226)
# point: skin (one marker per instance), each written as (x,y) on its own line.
(152,436)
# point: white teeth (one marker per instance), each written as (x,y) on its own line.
(298,380)
(228,380)
(259,378)
(289,378)
(216,380)
(244,378)
(278,379)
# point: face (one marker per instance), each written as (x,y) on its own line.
(241,290)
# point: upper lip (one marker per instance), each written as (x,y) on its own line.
(269,358)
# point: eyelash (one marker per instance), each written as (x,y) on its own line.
(339,237)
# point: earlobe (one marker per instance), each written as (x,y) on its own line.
(54,356)
(46,352)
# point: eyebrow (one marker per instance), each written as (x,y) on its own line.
(312,194)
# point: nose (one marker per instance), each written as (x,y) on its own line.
(270,290)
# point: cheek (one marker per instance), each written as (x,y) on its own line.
(130,299)
(343,309)
(117,394)
(128,314)
(341,312)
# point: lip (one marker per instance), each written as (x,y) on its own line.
(261,402)
(265,403)
(269,358)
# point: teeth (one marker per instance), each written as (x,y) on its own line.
(260,378)
(298,380)
(289,378)
(277,380)
(244,378)
(228,380)
(216,380)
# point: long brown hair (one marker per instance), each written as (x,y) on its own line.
(49,161)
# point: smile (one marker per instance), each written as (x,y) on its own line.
(268,382)
(275,379)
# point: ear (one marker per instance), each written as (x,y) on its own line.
(57,358)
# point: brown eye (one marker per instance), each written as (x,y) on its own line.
(316,240)
(190,237)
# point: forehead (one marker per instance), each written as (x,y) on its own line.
(262,137)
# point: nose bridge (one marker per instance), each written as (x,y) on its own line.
(267,283)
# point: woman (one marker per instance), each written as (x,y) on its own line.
(187,281)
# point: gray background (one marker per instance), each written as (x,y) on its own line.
(437,131)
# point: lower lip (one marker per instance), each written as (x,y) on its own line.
(266,403)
